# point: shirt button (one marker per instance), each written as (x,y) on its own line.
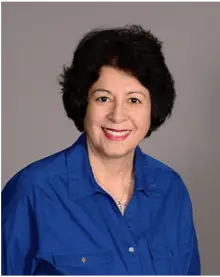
(83,259)
(131,249)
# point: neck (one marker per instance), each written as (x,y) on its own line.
(112,172)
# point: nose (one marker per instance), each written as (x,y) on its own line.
(118,113)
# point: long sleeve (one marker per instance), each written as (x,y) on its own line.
(22,224)
(195,265)
(19,235)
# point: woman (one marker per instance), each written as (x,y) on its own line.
(102,206)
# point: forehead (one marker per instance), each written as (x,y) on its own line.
(111,78)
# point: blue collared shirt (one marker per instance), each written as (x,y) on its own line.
(57,220)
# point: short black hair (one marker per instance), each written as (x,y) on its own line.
(131,49)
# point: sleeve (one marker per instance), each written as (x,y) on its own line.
(22,203)
(18,239)
(19,235)
(195,265)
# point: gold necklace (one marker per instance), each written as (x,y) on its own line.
(119,203)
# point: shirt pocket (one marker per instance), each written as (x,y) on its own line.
(84,263)
(171,260)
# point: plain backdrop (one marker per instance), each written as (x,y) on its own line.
(38,38)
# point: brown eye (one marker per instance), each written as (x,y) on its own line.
(102,99)
(134,100)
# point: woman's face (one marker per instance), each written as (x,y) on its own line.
(118,113)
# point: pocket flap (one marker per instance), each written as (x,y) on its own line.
(84,258)
(168,252)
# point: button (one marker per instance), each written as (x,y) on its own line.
(171,253)
(131,249)
(83,259)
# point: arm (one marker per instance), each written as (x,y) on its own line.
(195,266)
(21,206)
(19,236)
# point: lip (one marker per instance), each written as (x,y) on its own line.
(114,138)
(114,130)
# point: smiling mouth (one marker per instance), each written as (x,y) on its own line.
(116,134)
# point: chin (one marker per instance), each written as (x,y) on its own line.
(116,153)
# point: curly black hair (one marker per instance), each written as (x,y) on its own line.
(131,49)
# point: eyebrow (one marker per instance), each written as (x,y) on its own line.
(108,91)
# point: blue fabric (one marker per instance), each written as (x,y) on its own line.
(57,220)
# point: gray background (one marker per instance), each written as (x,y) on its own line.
(38,38)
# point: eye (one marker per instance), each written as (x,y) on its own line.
(134,100)
(102,99)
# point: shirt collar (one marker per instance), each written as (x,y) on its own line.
(80,177)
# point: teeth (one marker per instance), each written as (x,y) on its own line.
(116,134)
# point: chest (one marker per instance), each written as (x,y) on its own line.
(93,237)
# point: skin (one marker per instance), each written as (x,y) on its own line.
(119,101)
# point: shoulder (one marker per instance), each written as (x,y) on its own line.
(166,178)
(48,175)
(36,174)
(169,183)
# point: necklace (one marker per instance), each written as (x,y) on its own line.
(119,202)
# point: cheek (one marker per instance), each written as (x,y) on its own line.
(88,119)
(142,117)
(94,117)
